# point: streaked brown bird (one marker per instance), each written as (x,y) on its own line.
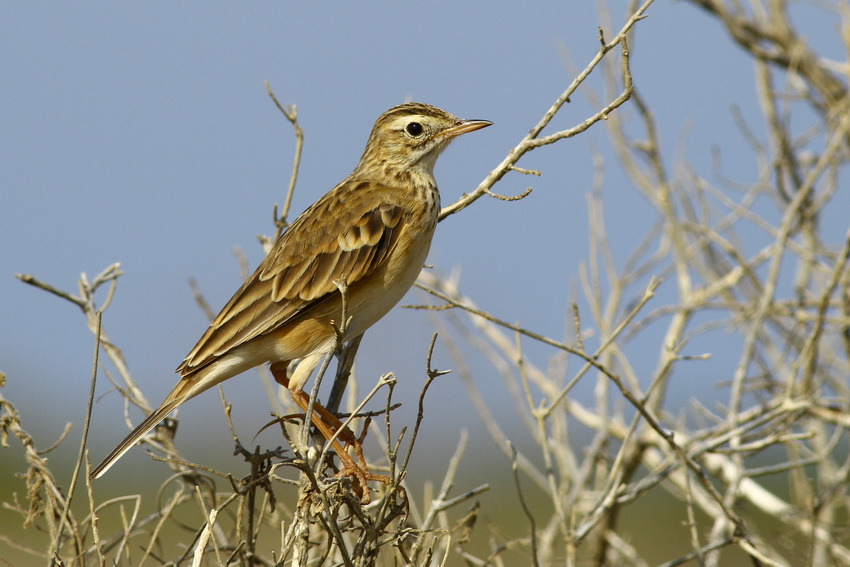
(370,234)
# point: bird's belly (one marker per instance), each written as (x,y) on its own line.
(373,300)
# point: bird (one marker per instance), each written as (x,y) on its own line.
(361,245)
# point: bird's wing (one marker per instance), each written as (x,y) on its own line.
(346,234)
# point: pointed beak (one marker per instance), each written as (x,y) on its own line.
(464,126)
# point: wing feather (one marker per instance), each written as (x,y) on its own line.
(346,234)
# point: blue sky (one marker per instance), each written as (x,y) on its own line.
(141,135)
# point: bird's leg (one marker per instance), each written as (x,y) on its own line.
(329,426)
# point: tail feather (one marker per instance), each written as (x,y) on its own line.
(149,423)
(192,383)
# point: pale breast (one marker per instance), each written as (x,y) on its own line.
(375,298)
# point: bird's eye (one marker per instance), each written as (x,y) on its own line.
(414,129)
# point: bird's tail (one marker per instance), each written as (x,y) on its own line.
(149,423)
(192,383)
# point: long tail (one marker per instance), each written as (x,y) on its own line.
(192,383)
(188,387)
(149,423)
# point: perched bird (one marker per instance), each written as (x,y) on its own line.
(369,235)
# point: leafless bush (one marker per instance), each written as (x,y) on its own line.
(694,275)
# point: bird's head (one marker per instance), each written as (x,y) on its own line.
(407,139)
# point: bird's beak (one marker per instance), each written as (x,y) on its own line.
(464,126)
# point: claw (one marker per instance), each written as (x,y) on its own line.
(331,427)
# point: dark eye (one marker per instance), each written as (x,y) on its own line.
(414,129)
